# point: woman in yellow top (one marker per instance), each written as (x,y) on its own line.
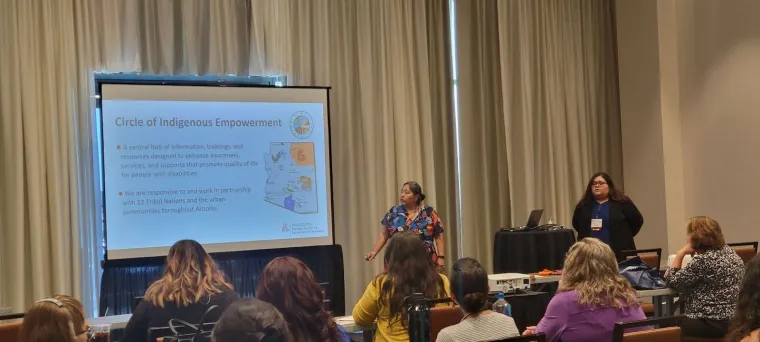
(409,270)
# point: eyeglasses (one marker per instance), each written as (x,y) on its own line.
(599,183)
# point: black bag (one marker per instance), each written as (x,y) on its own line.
(198,334)
(418,313)
(640,275)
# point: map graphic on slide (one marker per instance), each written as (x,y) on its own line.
(291,175)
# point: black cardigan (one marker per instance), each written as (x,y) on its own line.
(625,223)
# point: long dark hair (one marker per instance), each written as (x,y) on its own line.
(615,193)
(410,270)
(416,189)
(189,276)
(469,285)
(747,314)
(289,285)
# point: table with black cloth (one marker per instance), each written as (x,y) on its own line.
(527,308)
(530,251)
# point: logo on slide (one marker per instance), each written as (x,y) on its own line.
(301,125)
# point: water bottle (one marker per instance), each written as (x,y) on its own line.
(419,318)
(501,306)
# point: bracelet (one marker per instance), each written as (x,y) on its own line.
(441,257)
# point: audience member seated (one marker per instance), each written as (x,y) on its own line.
(251,320)
(469,289)
(191,284)
(709,283)
(746,323)
(289,285)
(56,319)
(592,296)
(409,270)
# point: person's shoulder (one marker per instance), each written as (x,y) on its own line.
(378,281)
(397,208)
(444,277)
(226,294)
(625,202)
(447,334)
(565,297)
(496,318)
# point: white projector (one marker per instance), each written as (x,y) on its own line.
(508,282)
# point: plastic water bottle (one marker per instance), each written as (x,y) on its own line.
(501,306)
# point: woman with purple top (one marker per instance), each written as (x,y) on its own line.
(592,296)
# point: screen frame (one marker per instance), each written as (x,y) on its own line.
(102,80)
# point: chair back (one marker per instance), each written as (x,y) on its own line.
(671,334)
(529,338)
(745,250)
(442,317)
(666,330)
(651,257)
(699,339)
(326,302)
(9,332)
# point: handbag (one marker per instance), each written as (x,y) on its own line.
(197,332)
(640,275)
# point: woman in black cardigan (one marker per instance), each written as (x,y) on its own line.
(606,214)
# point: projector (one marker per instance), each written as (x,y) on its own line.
(508,282)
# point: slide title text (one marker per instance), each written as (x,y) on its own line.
(182,123)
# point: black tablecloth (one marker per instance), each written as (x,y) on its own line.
(528,308)
(531,251)
(123,280)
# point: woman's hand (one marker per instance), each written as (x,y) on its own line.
(686,249)
(370,256)
(529,331)
(683,252)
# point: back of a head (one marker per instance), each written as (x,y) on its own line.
(469,284)
(591,270)
(56,319)
(190,275)
(251,320)
(289,285)
(410,270)
(406,249)
(705,233)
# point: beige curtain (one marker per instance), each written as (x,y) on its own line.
(538,108)
(388,66)
(49,51)
(39,179)
(386,61)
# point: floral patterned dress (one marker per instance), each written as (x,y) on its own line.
(426,224)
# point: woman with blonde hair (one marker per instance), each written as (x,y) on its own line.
(710,282)
(191,284)
(56,319)
(592,296)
